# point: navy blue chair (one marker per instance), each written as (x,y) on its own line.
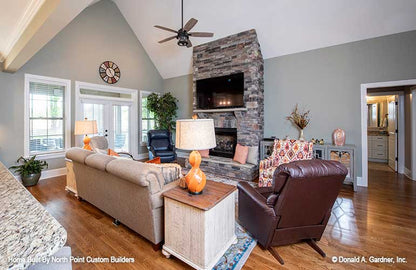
(159,143)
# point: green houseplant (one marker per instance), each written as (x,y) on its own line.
(29,169)
(164,108)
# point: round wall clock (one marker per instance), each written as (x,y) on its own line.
(109,72)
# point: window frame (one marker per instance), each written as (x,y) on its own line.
(143,94)
(67,114)
(132,101)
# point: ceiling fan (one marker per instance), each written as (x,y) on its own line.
(183,34)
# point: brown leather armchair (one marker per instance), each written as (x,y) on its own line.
(296,208)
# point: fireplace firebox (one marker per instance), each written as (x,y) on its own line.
(226,142)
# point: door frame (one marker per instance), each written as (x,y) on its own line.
(134,117)
(363,180)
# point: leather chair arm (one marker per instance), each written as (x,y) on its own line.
(259,200)
(254,214)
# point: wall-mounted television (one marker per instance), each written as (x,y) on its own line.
(220,92)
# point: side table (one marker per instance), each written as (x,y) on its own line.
(199,228)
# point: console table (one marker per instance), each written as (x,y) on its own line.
(344,154)
(199,228)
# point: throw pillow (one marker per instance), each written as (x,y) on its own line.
(253,155)
(241,153)
(112,153)
(156,160)
(204,153)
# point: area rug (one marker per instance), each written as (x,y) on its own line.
(220,178)
(236,255)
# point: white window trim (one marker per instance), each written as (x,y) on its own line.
(105,88)
(67,117)
(143,93)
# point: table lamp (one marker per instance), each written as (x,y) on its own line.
(195,134)
(86,127)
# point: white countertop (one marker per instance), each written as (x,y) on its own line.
(27,231)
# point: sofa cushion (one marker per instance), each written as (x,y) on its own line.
(139,173)
(164,153)
(78,154)
(98,161)
(241,153)
(253,155)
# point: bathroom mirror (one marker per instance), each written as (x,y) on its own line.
(373,115)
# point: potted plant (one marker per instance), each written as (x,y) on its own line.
(164,108)
(29,170)
(299,119)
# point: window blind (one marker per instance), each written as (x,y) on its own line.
(46,119)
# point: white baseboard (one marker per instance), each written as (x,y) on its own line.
(53,173)
(408,173)
(48,174)
(361,182)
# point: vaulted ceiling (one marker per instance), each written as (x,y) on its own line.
(27,25)
(283,26)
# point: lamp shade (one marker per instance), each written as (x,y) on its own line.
(195,134)
(85,127)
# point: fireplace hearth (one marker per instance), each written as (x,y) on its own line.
(226,142)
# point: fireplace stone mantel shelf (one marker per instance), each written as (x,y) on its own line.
(221,110)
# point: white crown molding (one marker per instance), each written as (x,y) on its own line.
(21,26)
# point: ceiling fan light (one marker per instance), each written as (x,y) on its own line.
(182,40)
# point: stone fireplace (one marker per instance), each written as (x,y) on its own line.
(226,142)
(233,54)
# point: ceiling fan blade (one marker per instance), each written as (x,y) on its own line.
(191,23)
(165,28)
(167,39)
(189,45)
(201,34)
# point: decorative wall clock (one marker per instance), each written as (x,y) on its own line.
(109,72)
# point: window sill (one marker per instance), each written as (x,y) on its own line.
(50,155)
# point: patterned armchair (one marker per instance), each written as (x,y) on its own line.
(284,151)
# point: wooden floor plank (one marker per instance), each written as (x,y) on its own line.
(378,221)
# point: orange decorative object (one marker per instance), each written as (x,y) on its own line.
(87,143)
(195,179)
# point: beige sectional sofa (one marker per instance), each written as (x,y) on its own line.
(127,190)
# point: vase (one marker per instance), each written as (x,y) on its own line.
(301,137)
(31,179)
(338,137)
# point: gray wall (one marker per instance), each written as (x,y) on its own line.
(99,33)
(327,82)
(181,88)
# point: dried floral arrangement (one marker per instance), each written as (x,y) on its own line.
(298,118)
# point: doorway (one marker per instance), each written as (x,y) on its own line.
(400,90)
(114,109)
(382,129)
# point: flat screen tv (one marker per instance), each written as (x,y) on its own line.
(220,92)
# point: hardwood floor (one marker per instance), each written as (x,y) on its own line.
(378,221)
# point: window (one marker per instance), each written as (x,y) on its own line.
(116,111)
(47,122)
(148,118)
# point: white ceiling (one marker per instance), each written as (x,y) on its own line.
(283,26)
(14,17)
